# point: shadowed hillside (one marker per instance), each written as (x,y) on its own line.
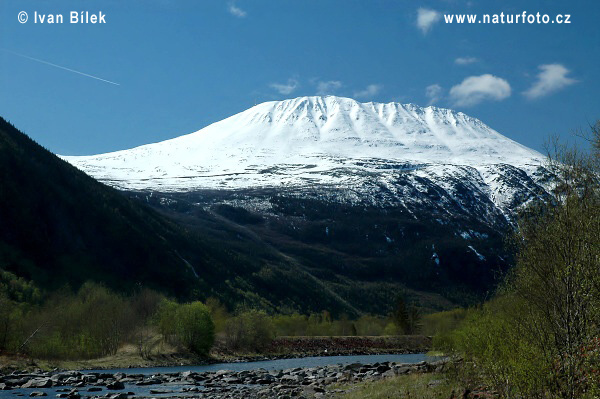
(60,226)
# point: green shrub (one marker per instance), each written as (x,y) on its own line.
(501,349)
(250,331)
(442,322)
(165,319)
(218,312)
(11,320)
(406,317)
(95,321)
(392,329)
(194,327)
(370,325)
(290,325)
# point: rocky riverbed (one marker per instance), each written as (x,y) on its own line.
(297,383)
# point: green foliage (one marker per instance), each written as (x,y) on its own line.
(218,313)
(189,325)
(442,322)
(539,337)
(406,317)
(11,319)
(96,321)
(370,325)
(144,305)
(440,326)
(165,319)
(18,289)
(392,328)
(412,386)
(290,325)
(501,348)
(322,324)
(92,323)
(194,327)
(591,355)
(250,331)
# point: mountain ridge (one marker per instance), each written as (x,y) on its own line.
(303,137)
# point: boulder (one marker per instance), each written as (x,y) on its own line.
(73,394)
(38,383)
(116,385)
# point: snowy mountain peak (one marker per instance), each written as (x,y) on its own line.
(305,139)
(344,127)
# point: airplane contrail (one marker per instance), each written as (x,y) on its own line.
(61,67)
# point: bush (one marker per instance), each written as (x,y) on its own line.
(11,319)
(442,322)
(218,312)
(406,317)
(392,329)
(290,325)
(165,320)
(501,349)
(250,331)
(189,325)
(370,325)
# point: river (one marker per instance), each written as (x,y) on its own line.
(278,364)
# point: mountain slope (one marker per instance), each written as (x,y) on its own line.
(59,226)
(359,195)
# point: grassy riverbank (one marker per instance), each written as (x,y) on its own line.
(126,357)
(413,386)
(160,353)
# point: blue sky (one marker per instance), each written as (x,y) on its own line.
(182,65)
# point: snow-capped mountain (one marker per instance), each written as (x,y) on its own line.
(359,195)
(334,142)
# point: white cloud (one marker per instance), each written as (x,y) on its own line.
(553,77)
(286,88)
(465,60)
(369,91)
(434,93)
(476,89)
(328,87)
(426,18)
(236,11)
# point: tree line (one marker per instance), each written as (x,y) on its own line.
(539,337)
(95,321)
